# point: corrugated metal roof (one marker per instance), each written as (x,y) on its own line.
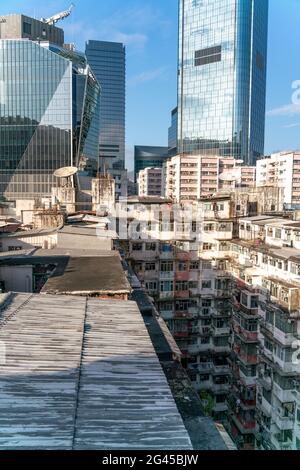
(82,374)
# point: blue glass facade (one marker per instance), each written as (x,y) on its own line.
(107,60)
(172,134)
(44,123)
(222,77)
(148,157)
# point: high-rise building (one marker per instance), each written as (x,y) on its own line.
(281,170)
(107,60)
(149,182)
(23,27)
(49,99)
(146,157)
(172,134)
(190,177)
(222,77)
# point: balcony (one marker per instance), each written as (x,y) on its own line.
(166,295)
(265,381)
(220,408)
(225,331)
(182,256)
(181,294)
(244,356)
(264,406)
(197,348)
(244,426)
(245,335)
(167,315)
(182,276)
(166,276)
(285,396)
(219,370)
(282,443)
(166,255)
(221,388)
(285,423)
(202,385)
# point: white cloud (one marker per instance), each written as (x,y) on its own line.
(130,26)
(290,126)
(148,76)
(287,110)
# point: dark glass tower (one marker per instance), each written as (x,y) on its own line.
(108,62)
(222,77)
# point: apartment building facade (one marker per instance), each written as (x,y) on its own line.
(150,182)
(281,170)
(227,282)
(188,178)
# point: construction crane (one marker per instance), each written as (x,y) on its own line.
(59,16)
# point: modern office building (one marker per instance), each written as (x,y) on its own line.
(172,134)
(222,77)
(48,116)
(107,60)
(23,27)
(146,157)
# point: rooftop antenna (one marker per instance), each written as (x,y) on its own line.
(59,16)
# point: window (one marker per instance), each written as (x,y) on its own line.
(150,267)
(244,300)
(182,267)
(166,306)
(260,61)
(137,247)
(182,306)
(26,28)
(194,266)
(151,286)
(254,302)
(182,286)
(278,233)
(204,378)
(166,286)
(150,246)
(206,284)
(166,266)
(208,56)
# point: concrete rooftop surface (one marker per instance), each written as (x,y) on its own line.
(82,374)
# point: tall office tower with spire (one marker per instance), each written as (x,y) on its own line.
(222,77)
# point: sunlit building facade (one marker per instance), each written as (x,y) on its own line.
(49,99)
(222,77)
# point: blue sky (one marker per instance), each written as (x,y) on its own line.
(149,29)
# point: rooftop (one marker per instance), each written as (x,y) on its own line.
(89,275)
(92,381)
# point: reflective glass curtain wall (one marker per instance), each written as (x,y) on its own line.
(107,60)
(222,77)
(49,117)
(35,118)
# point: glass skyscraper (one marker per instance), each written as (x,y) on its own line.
(222,77)
(107,60)
(49,99)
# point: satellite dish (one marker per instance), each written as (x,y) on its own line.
(229,176)
(66,172)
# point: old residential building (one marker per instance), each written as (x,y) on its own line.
(281,170)
(150,182)
(191,177)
